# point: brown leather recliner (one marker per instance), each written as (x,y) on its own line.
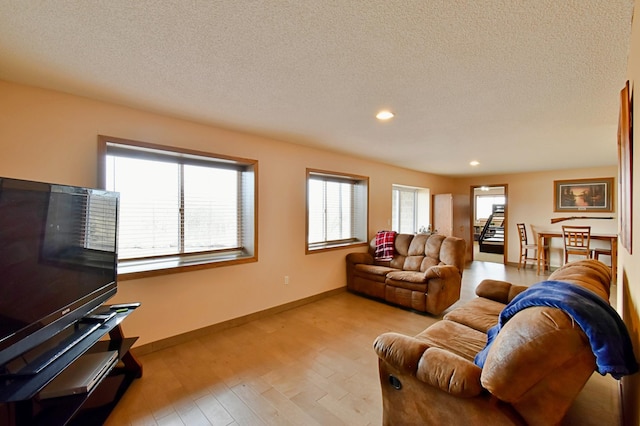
(536,366)
(425,273)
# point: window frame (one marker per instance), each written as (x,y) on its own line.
(421,207)
(164,264)
(360,225)
(397,210)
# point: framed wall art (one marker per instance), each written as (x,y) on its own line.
(583,195)
(625,166)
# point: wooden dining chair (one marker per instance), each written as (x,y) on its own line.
(577,241)
(597,252)
(525,247)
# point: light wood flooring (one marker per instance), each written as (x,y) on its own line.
(310,365)
(486,257)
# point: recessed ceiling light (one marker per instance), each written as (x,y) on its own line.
(384,115)
(474,163)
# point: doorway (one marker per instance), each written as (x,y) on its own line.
(489,223)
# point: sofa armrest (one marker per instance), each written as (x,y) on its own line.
(443,287)
(442,271)
(500,291)
(434,366)
(400,351)
(449,372)
(354,258)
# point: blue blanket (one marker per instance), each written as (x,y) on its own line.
(607,334)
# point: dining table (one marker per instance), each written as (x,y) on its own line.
(544,240)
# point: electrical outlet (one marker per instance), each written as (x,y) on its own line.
(286,280)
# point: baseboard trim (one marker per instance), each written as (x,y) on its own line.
(194,334)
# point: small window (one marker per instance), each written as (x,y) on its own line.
(410,209)
(484,205)
(180,208)
(336,210)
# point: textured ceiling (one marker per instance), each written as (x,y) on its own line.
(517,85)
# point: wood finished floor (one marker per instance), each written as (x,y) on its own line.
(311,365)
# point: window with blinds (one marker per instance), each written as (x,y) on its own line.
(180,208)
(336,209)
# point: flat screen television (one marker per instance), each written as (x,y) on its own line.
(58,260)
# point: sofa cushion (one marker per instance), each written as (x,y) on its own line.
(454,337)
(500,291)
(428,262)
(402,244)
(416,248)
(480,314)
(432,248)
(373,269)
(398,261)
(407,276)
(412,263)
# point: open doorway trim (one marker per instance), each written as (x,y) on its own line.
(472,203)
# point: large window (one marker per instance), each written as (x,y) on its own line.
(336,209)
(180,208)
(410,209)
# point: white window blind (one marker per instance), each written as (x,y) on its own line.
(181,206)
(149,206)
(405,210)
(336,210)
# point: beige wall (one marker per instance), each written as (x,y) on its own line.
(52,137)
(629,270)
(530,200)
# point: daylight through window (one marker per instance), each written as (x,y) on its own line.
(410,209)
(336,209)
(484,205)
(179,208)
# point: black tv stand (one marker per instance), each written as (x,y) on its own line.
(57,347)
(20,402)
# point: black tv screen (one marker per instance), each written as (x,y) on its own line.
(58,259)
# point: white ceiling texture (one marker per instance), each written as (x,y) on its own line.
(516,85)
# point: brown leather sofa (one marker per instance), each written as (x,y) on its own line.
(537,364)
(425,273)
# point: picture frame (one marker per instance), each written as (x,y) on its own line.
(625,166)
(583,195)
